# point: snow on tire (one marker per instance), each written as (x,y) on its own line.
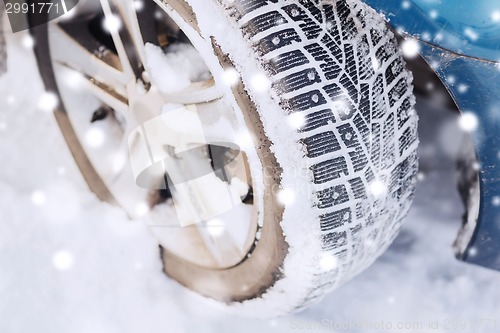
(324,89)
(351,163)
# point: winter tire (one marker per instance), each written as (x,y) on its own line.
(322,88)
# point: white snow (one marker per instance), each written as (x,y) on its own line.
(260,83)
(231,76)
(495,15)
(328,262)
(410,48)
(112,23)
(286,196)
(95,137)
(468,121)
(176,67)
(47,101)
(38,198)
(63,260)
(377,188)
(297,120)
(28,42)
(114,281)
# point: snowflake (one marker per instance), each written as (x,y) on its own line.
(472,251)
(63,260)
(38,198)
(138,5)
(327,262)
(410,48)
(468,121)
(260,83)
(142,209)
(462,88)
(230,76)
(297,120)
(286,197)
(377,188)
(95,137)
(48,101)
(28,42)
(244,140)
(495,16)
(112,23)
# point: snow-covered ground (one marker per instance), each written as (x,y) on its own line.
(69,263)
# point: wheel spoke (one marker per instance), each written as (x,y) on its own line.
(196,93)
(84,54)
(108,96)
(134,202)
(121,18)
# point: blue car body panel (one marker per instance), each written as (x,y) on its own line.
(461,40)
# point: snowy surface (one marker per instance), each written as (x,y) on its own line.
(69,263)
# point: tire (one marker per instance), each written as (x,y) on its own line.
(339,183)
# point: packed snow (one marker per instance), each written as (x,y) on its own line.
(70,263)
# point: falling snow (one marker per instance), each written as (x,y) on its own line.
(495,16)
(410,48)
(79,265)
(63,260)
(260,83)
(297,120)
(468,121)
(112,23)
(48,101)
(462,88)
(231,76)
(327,262)
(377,188)
(28,42)
(286,197)
(38,198)
(95,137)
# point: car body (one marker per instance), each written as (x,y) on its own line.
(460,40)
